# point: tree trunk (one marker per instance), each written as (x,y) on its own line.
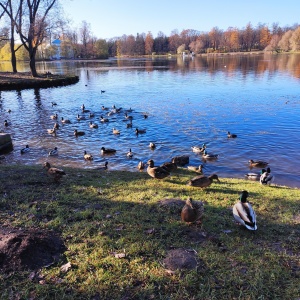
(12,48)
(32,64)
(13,55)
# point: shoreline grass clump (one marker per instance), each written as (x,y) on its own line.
(119,230)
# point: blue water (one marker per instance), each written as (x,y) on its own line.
(189,102)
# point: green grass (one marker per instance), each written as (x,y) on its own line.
(99,213)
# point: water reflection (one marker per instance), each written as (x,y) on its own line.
(189,101)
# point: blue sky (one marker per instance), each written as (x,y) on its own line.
(114,18)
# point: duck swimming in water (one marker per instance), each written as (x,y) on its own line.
(258,163)
(53,152)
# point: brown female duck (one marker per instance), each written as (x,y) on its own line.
(203,181)
(156,172)
(192,211)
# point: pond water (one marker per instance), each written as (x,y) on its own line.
(189,101)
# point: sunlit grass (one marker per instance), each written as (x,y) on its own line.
(100,214)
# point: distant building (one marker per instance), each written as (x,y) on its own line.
(57,44)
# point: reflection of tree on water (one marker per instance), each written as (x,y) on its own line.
(37,98)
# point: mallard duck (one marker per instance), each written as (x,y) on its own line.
(65,121)
(231,135)
(115,109)
(266,177)
(104,167)
(254,176)
(108,150)
(87,156)
(258,163)
(141,165)
(169,166)
(203,181)
(129,154)
(54,117)
(152,146)
(104,120)
(192,211)
(25,150)
(138,131)
(78,133)
(116,131)
(82,107)
(79,117)
(93,125)
(243,212)
(181,160)
(52,131)
(54,173)
(198,169)
(6,123)
(209,156)
(156,172)
(53,152)
(197,149)
(127,117)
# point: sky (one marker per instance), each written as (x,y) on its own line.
(115,18)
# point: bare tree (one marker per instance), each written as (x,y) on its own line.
(31,24)
(85,35)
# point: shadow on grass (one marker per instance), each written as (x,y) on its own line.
(103,214)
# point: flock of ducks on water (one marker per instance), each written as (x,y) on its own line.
(192,211)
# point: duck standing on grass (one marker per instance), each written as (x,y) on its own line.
(156,172)
(192,211)
(203,181)
(54,173)
(141,165)
(243,212)
(266,177)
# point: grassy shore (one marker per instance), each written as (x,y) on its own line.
(24,80)
(119,230)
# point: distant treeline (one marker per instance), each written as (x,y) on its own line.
(82,44)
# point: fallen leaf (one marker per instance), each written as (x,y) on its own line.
(149,231)
(118,255)
(65,268)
